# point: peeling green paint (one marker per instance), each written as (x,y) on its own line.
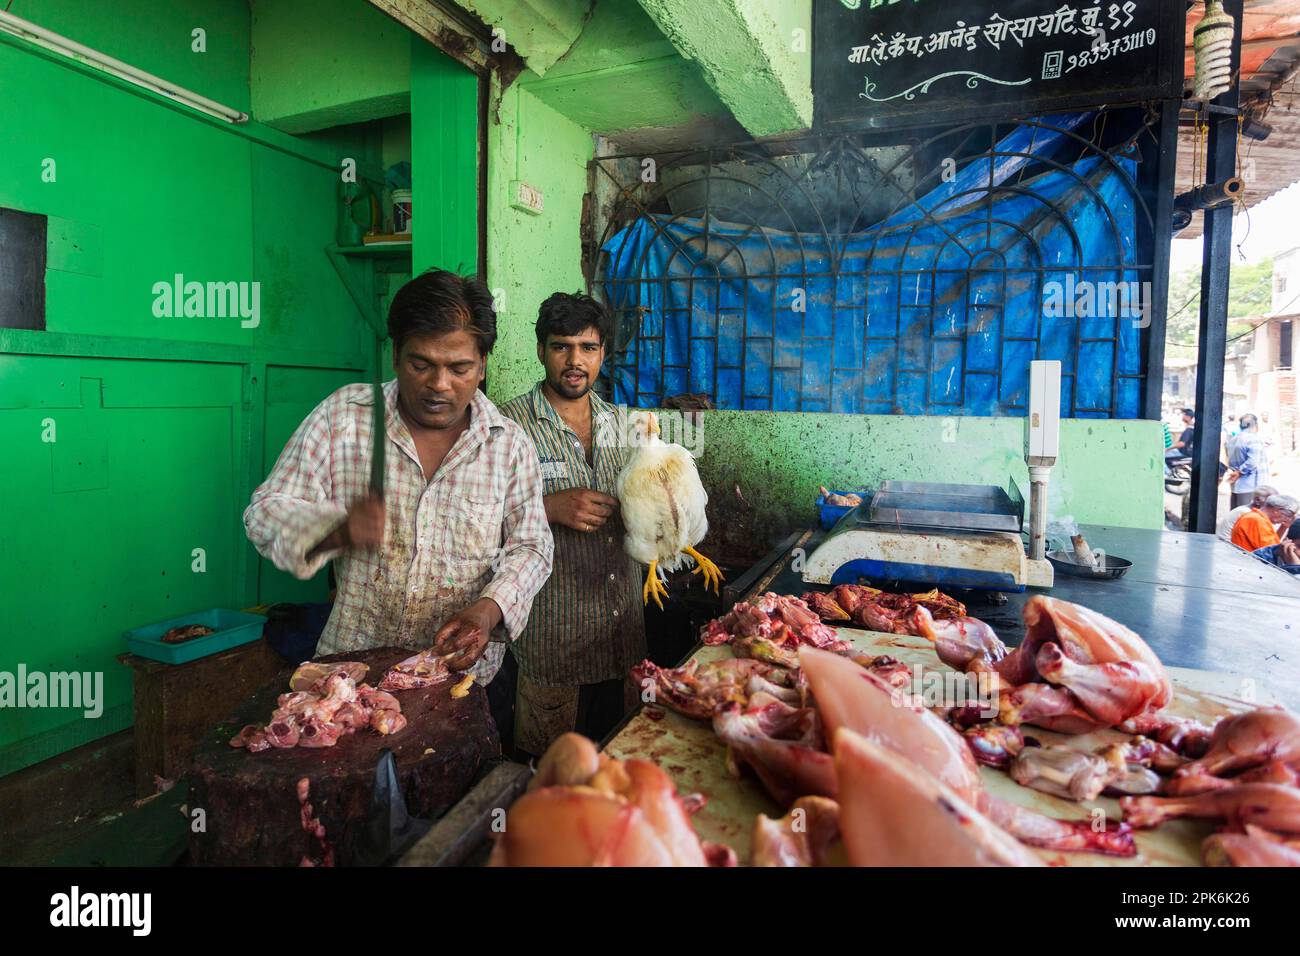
(541,31)
(747,51)
(622,73)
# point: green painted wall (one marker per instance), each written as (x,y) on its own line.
(158,38)
(622,73)
(162,426)
(746,52)
(1109,472)
(529,257)
(321,63)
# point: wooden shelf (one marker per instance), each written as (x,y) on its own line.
(387,250)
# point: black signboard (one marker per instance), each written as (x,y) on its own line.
(884,63)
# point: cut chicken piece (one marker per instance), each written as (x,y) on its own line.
(1109,692)
(893,813)
(1268,805)
(809,835)
(570,761)
(782,744)
(1062,772)
(1243,741)
(1240,849)
(419,670)
(698,690)
(309,672)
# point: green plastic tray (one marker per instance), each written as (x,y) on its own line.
(230,629)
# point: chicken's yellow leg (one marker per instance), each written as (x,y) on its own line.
(712,574)
(654,588)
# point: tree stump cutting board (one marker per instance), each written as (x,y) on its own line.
(251,813)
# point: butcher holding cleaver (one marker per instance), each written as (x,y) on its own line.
(427,499)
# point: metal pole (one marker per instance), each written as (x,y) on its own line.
(1216,259)
(1165,159)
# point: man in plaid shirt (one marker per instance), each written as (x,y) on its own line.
(459,545)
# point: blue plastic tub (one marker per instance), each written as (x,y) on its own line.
(830,514)
(230,629)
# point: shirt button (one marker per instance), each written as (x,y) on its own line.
(616,613)
(611,577)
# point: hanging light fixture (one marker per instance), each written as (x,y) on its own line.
(73,50)
(1212,42)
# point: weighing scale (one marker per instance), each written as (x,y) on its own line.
(954,535)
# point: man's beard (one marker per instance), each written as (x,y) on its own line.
(569,391)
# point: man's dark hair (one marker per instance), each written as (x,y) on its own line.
(565,314)
(1189,413)
(437,302)
(1249,421)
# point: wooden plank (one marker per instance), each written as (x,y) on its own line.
(463,834)
(689,752)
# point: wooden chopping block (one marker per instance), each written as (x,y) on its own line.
(251,813)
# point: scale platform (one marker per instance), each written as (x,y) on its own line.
(947,535)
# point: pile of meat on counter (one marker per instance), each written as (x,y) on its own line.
(326,702)
(871,774)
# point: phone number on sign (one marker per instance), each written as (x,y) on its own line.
(1104,51)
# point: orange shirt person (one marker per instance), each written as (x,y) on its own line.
(1255,529)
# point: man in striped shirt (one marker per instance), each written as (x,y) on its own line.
(454,552)
(587,628)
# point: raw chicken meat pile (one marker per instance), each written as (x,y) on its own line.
(871,777)
(324,703)
(772,629)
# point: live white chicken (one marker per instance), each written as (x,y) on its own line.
(662,502)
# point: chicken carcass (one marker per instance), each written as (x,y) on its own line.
(847,696)
(882,611)
(419,670)
(893,813)
(625,813)
(662,503)
(1244,742)
(1183,735)
(699,690)
(1075,671)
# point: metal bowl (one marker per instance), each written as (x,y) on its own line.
(1112,567)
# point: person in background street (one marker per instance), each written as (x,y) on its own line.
(453,553)
(1229,521)
(1247,462)
(1262,527)
(587,628)
(1183,447)
(1284,554)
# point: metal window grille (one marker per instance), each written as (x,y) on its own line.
(922,266)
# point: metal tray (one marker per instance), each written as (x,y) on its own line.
(925,504)
(1112,567)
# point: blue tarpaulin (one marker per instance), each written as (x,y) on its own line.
(936,310)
